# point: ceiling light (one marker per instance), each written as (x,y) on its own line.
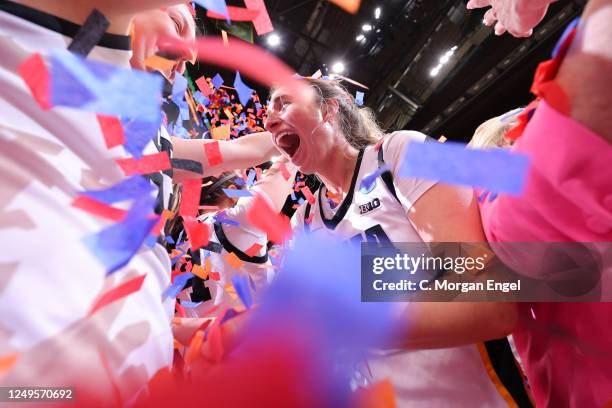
(367,27)
(274,40)
(377,13)
(338,67)
(360,37)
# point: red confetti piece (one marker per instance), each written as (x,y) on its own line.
(151,163)
(276,225)
(117,293)
(556,97)
(216,276)
(308,194)
(262,22)
(112,130)
(235,14)
(190,197)
(203,86)
(215,342)
(286,174)
(258,173)
(253,249)
(213,153)
(98,208)
(36,76)
(197,233)
(166,215)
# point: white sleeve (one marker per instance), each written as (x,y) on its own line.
(409,190)
(297,221)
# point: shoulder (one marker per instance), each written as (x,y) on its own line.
(397,141)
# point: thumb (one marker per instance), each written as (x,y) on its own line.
(472,4)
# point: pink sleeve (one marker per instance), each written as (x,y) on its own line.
(568,195)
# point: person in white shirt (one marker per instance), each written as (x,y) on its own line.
(435,362)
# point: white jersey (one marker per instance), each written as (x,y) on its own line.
(422,378)
(49,280)
(236,236)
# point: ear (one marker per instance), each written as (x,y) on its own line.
(330,110)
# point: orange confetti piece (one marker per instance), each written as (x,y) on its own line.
(194,347)
(231,291)
(157,62)
(232,259)
(221,132)
(200,272)
(378,395)
(348,5)
(7,362)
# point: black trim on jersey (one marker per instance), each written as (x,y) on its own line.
(387,176)
(62,26)
(508,371)
(229,247)
(306,216)
(346,203)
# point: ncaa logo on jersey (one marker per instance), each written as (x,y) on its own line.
(369,207)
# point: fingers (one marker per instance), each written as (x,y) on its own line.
(499,28)
(472,4)
(490,17)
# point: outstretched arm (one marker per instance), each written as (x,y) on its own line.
(241,153)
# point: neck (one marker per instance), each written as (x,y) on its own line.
(77,11)
(338,175)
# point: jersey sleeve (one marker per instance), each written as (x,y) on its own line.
(297,221)
(409,190)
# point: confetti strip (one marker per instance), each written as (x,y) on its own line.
(359,98)
(99,208)
(262,22)
(235,14)
(233,260)
(103,88)
(253,249)
(308,194)
(148,164)
(159,63)
(217,6)
(235,193)
(241,285)
(112,129)
(35,74)
(190,305)
(177,285)
(351,6)
(244,92)
(89,34)
(190,199)
(221,132)
(138,134)
(197,233)
(284,171)
(200,272)
(130,188)
(7,362)
(495,170)
(121,291)
(194,347)
(203,86)
(217,81)
(370,179)
(261,216)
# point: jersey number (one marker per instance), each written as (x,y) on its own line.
(373,234)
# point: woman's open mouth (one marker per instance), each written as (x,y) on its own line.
(289,142)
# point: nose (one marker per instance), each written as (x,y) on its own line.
(272,121)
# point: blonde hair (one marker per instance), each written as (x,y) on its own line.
(358,125)
(492,133)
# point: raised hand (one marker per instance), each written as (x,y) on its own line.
(518,17)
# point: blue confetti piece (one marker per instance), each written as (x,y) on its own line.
(116,245)
(169,239)
(293,196)
(218,6)
(138,134)
(244,92)
(184,113)
(217,81)
(251,177)
(175,288)
(359,98)
(239,181)
(190,305)
(495,170)
(150,241)
(367,183)
(103,88)
(482,196)
(223,220)
(492,197)
(509,116)
(565,34)
(301,201)
(241,284)
(178,88)
(130,188)
(233,193)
